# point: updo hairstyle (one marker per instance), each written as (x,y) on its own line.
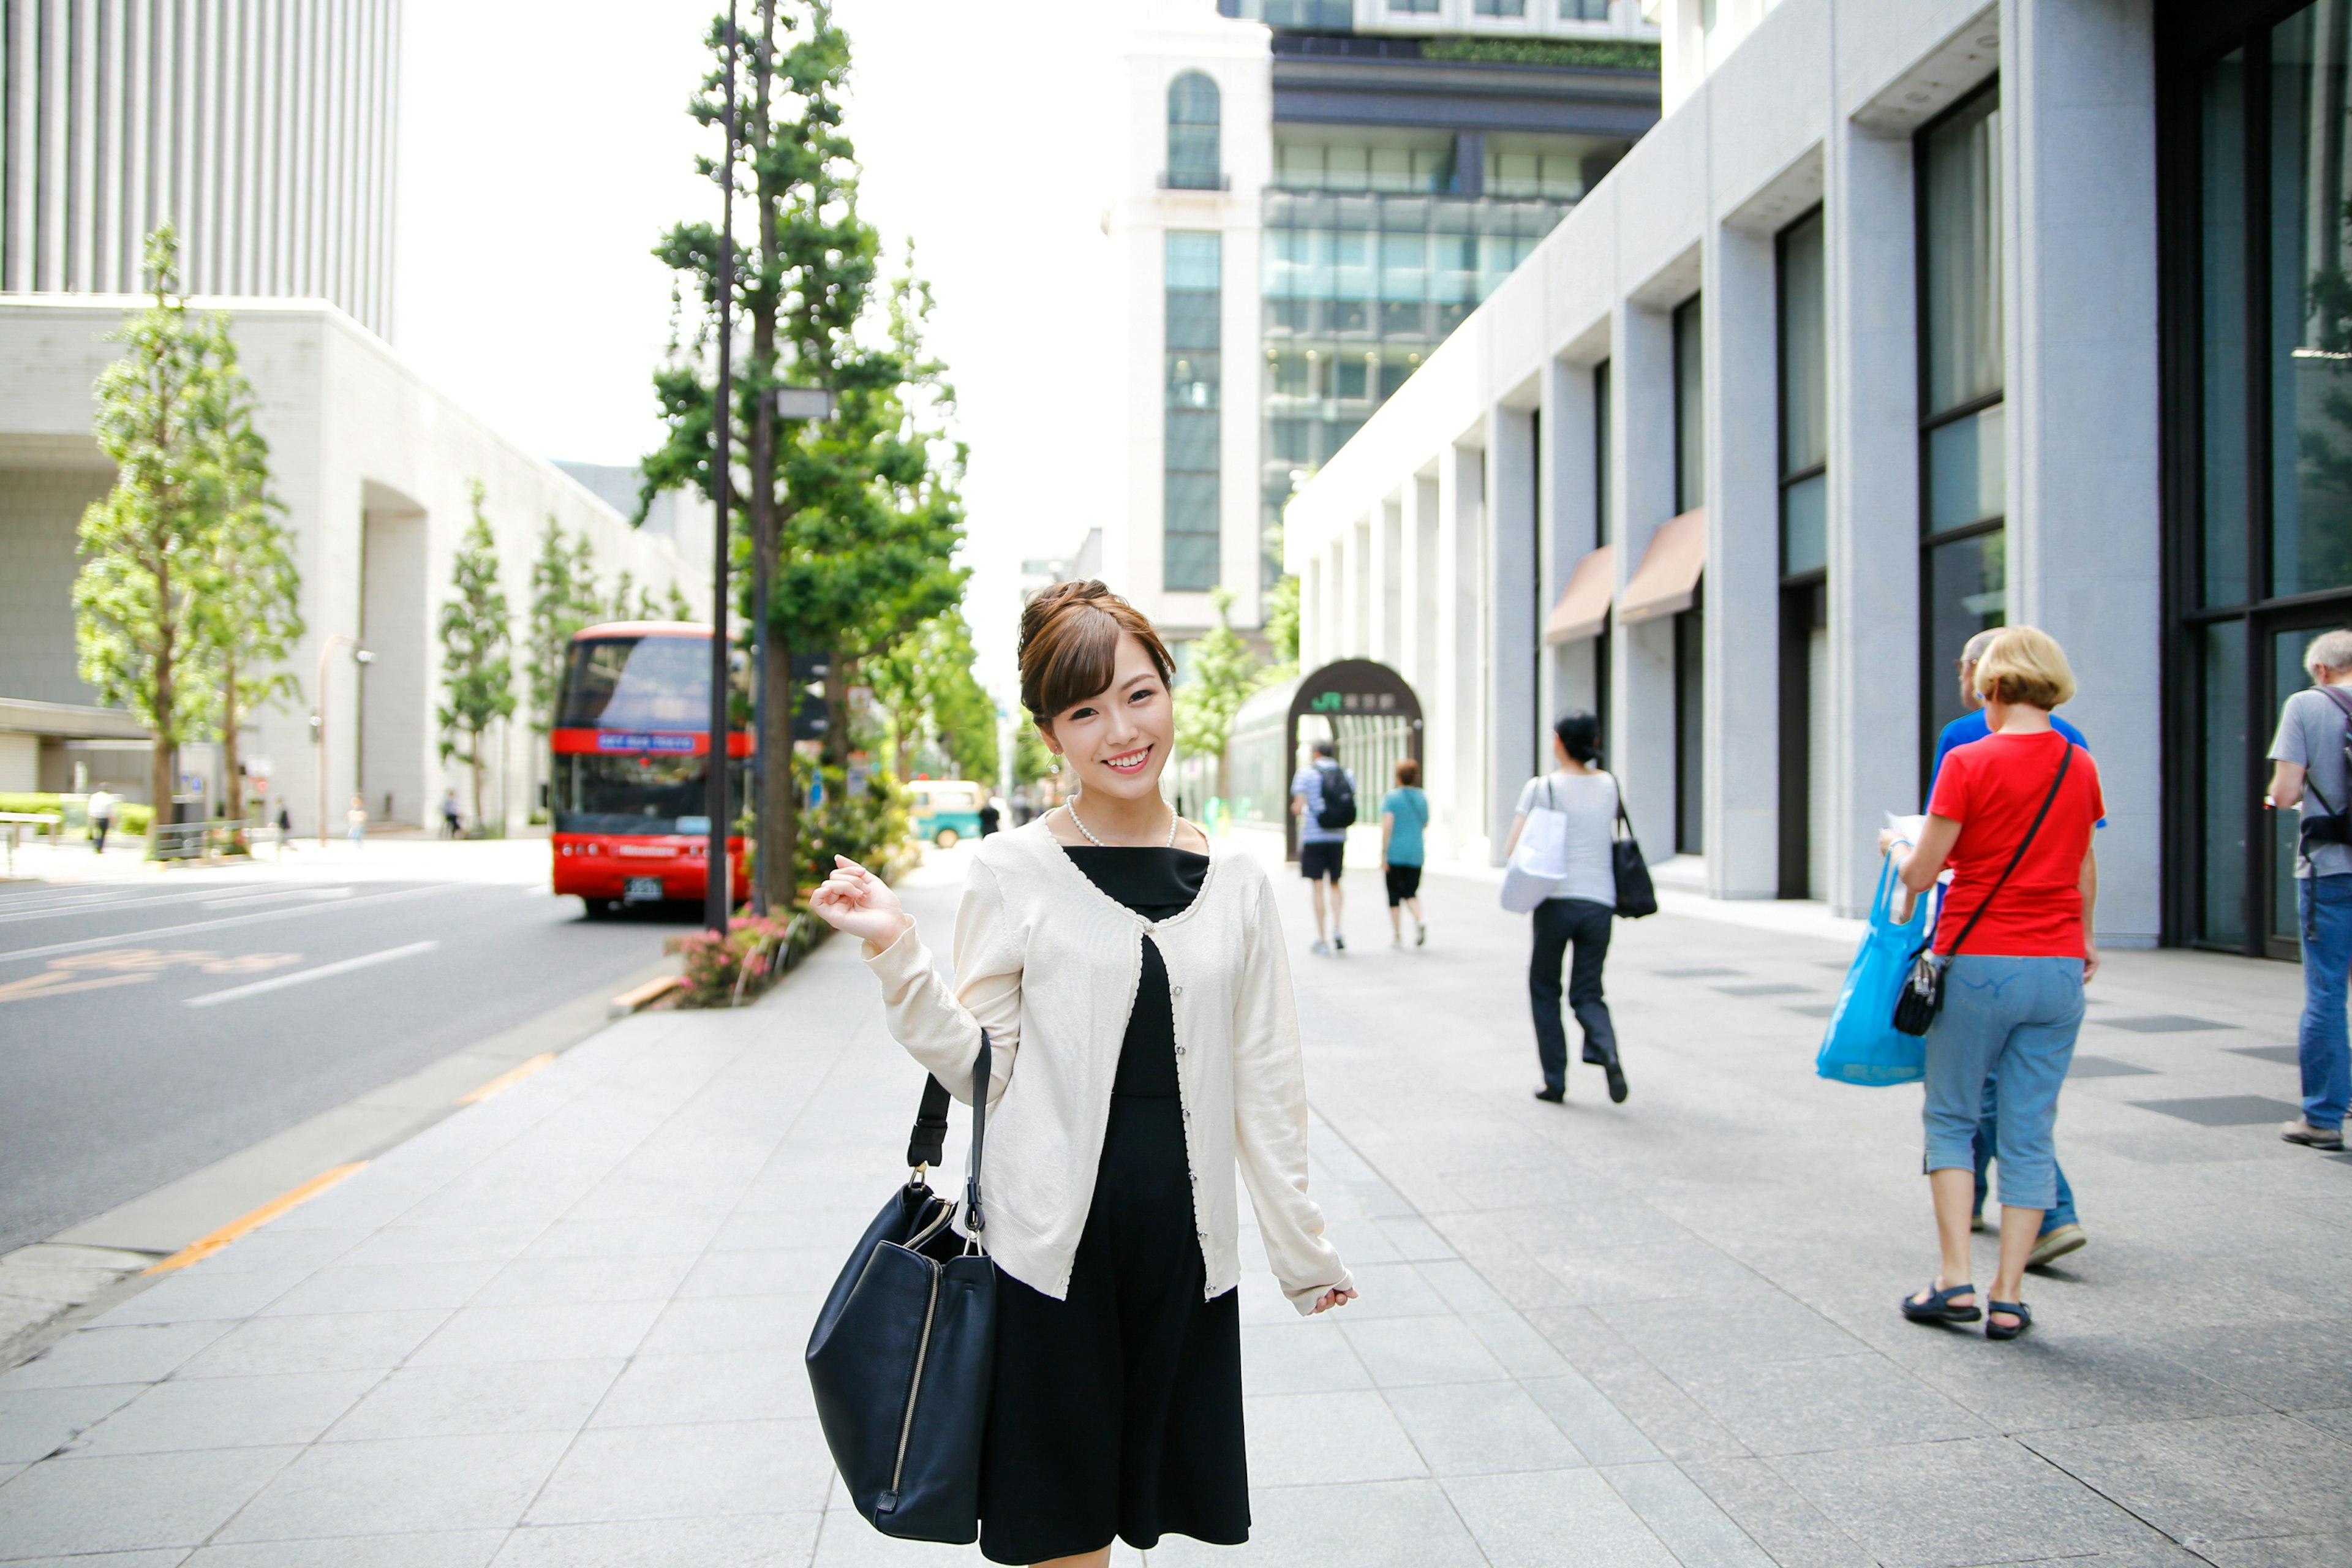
(1069,645)
(1580,735)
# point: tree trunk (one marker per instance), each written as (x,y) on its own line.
(474,767)
(160,760)
(234,788)
(779,802)
(836,711)
(775,821)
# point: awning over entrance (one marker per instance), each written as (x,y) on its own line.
(1666,583)
(1583,607)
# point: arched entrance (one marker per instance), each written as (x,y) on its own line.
(1369,711)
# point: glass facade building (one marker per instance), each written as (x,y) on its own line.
(1189,518)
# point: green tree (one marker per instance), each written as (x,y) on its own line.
(561,602)
(1281,611)
(927,691)
(1224,673)
(622,585)
(861,507)
(1030,759)
(677,609)
(476,671)
(248,607)
(146,544)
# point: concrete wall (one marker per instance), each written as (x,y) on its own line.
(373,467)
(1808,102)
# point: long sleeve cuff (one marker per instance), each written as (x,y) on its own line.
(1304,1299)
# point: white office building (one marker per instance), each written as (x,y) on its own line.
(1907,320)
(1314,193)
(266,134)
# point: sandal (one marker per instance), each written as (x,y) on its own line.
(2018,1309)
(1939,1309)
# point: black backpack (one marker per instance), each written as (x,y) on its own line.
(2329,826)
(1338,809)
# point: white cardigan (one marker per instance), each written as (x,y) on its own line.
(1048,963)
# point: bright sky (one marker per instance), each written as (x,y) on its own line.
(544,147)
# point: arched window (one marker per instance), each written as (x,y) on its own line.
(1192,133)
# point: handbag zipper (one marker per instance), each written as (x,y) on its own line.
(907,1423)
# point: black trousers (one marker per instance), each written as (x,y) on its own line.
(1561,924)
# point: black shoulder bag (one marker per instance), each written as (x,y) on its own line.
(1636,895)
(1921,997)
(902,1352)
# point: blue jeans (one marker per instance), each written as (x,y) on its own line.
(2009,1022)
(1987,1136)
(2325,904)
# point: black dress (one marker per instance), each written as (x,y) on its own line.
(1118,1411)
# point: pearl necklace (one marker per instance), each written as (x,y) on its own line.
(1071,806)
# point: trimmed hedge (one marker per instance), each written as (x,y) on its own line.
(128,819)
(1621,54)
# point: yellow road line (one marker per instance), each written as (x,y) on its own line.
(507,1079)
(205,1246)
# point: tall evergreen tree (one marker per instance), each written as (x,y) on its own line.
(476,671)
(248,609)
(145,545)
(861,507)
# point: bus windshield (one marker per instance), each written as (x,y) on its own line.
(639,794)
(638,683)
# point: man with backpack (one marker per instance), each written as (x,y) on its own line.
(1323,799)
(2313,768)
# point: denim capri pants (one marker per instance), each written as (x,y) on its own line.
(2015,1019)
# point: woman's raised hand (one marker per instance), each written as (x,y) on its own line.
(854,900)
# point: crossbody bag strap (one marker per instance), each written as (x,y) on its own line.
(2343,705)
(2022,845)
(1619,790)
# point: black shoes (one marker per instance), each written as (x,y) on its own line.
(1616,1083)
(1551,1096)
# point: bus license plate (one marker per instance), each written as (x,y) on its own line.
(642,890)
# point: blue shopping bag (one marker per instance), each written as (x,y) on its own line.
(1862,1045)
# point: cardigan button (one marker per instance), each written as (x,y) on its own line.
(1180,1050)
(1176,990)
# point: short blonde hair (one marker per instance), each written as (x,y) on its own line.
(2025,665)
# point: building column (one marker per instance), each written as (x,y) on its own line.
(1742,740)
(1358,536)
(1418,632)
(1456,707)
(1380,640)
(1514,585)
(1874,502)
(1641,750)
(1310,612)
(2078,131)
(1568,529)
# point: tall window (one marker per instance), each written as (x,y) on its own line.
(1804,557)
(1413,7)
(1584,10)
(1604,532)
(1189,520)
(2262,523)
(1690,626)
(1964,569)
(1501,7)
(1192,133)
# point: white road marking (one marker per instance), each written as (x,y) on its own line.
(86,943)
(243,899)
(302,976)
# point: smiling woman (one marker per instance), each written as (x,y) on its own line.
(1132,983)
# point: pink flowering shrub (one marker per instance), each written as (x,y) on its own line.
(721,970)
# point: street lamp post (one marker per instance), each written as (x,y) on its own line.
(719,877)
(318,720)
(791,404)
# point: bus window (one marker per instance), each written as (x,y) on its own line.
(639,683)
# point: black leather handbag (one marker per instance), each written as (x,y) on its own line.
(1921,997)
(904,1349)
(1635,896)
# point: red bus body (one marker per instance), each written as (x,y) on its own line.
(632,748)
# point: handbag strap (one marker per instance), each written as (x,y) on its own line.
(927,1145)
(2022,845)
(2343,704)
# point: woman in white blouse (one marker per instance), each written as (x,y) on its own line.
(1133,982)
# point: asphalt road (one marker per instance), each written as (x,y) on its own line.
(147,1028)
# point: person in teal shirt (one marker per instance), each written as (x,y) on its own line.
(1404,814)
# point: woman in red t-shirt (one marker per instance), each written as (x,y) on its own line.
(2014,992)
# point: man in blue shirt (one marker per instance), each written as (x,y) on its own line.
(1320,850)
(2061,1232)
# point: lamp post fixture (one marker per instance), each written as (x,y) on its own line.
(785,403)
(318,719)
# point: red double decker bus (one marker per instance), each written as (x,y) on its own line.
(630,799)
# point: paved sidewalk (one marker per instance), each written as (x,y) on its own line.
(563,1326)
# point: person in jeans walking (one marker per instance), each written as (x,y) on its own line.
(1314,791)
(2061,1229)
(1404,814)
(1578,912)
(2309,773)
(2012,815)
